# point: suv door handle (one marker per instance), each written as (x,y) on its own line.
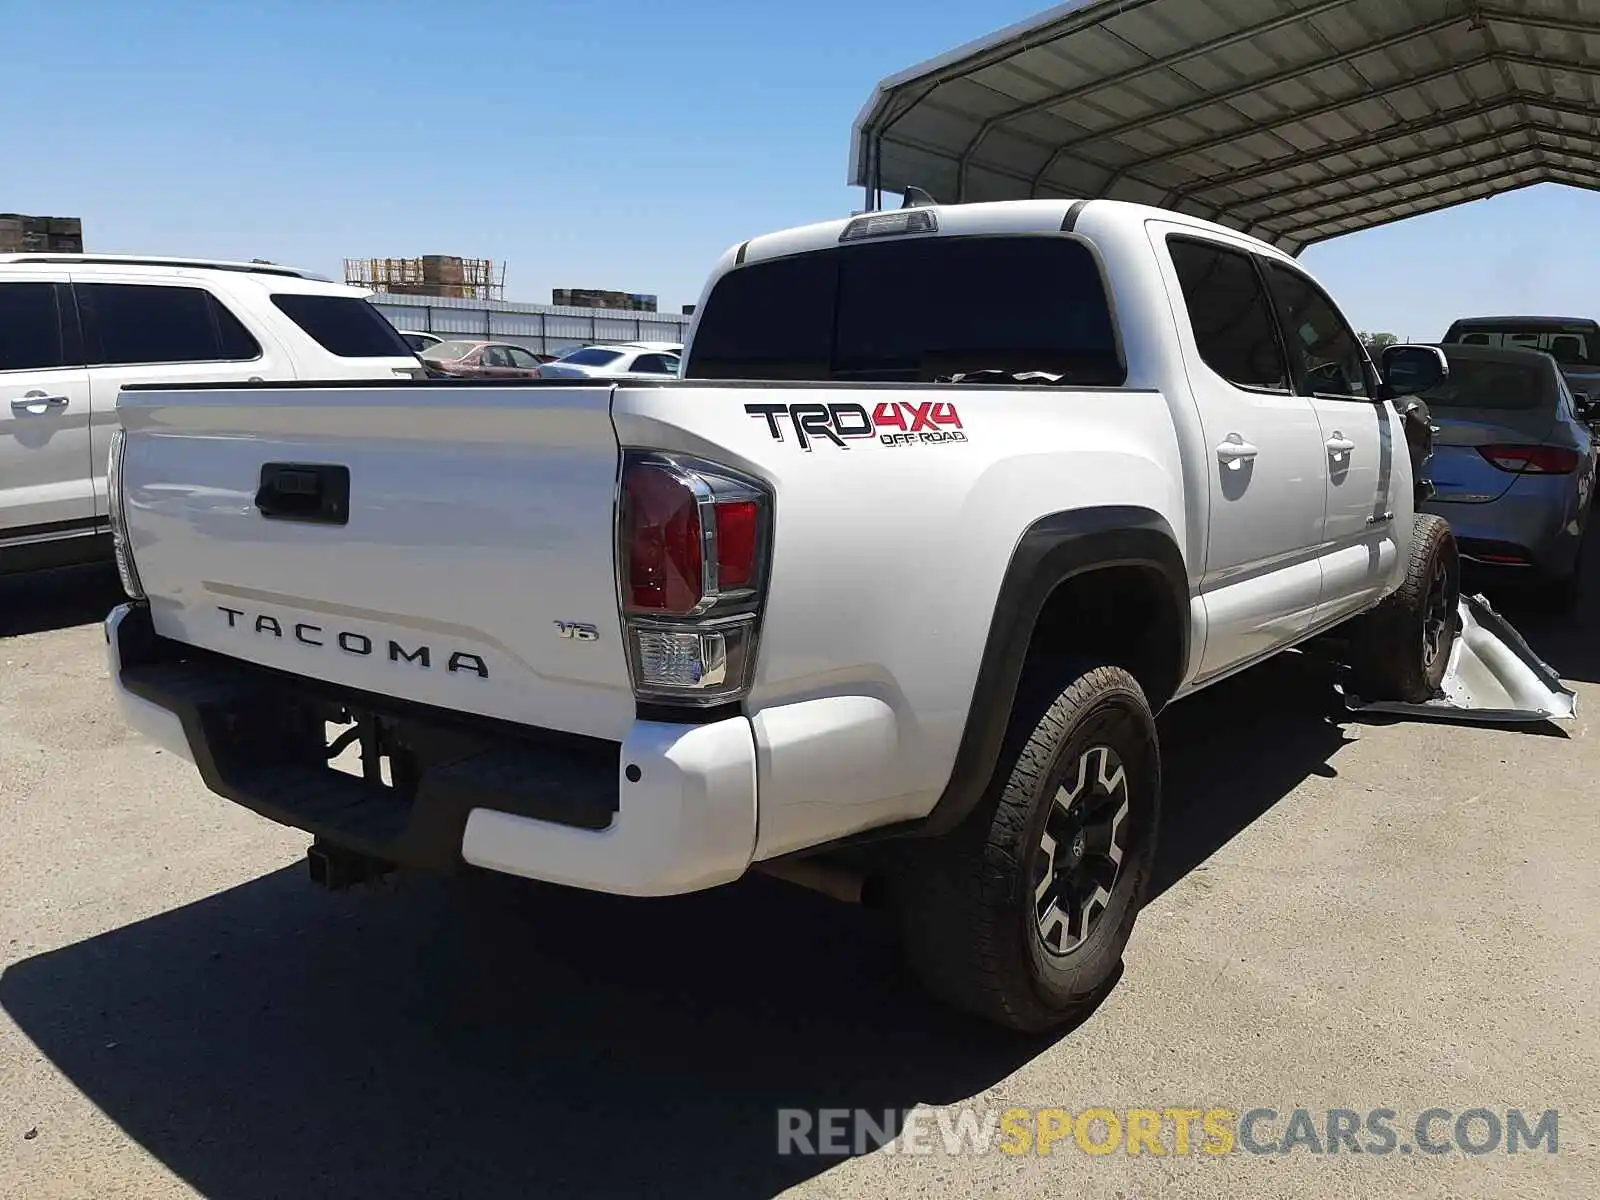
(1339,444)
(1236,450)
(36,403)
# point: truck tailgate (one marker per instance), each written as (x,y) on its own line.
(471,567)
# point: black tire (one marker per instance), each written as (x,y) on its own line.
(1401,649)
(967,901)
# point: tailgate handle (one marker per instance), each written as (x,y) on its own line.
(316,493)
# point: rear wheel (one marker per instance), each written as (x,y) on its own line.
(1402,648)
(1021,914)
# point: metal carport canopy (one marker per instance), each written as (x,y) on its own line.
(1293,121)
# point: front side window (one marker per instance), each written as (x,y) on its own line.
(921,310)
(1230,314)
(1328,358)
(129,324)
(30,327)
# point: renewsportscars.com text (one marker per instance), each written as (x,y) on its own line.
(1168,1130)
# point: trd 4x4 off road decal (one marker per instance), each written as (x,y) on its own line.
(896,423)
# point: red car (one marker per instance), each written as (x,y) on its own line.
(484,359)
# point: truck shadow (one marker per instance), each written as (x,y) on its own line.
(499,1039)
(1217,782)
(42,601)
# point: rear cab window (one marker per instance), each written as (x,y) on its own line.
(592,358)
(344,326)
(1570,343)
(982,309)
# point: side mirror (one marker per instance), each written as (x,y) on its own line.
(1410,370)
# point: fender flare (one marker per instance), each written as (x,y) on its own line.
(1052,550)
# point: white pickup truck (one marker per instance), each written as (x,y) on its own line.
(883,594)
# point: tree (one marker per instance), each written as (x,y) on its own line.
(1375,342)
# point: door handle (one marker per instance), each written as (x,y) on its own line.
(36,403)
(1235,450)
(1339,444)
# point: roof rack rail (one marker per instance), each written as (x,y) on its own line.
(136,260)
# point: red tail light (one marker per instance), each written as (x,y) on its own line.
(1532,460)
(661,535)
(738,541)
(692,541)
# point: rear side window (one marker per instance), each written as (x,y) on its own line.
(344,326)
(655,364)
(135,323)
(30,327)
(920,310)
(1230,314)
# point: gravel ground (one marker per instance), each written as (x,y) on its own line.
(1351,914)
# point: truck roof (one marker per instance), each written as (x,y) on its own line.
(982,217)
(1552,322)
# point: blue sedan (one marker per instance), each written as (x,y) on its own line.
(1513,465)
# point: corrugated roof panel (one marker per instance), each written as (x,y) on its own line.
(1315,117)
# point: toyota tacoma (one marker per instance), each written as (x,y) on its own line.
(883,594)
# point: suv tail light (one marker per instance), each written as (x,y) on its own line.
(692,544)
(119,521)
(1532,460)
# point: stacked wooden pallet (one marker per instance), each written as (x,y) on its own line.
(596,298)
(22,234)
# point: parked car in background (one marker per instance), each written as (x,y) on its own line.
(613,362)
(1513,464)
(481,359)
(1574,342)
(76,328)
(420,341)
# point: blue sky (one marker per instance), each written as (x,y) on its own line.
(618,144)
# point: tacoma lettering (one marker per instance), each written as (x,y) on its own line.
(353,641)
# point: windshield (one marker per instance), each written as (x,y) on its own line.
(1490,386)
(1571,345)
(941,309)
(589,357)
(448,350)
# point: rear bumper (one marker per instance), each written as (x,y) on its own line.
(1531,521)
(671,808)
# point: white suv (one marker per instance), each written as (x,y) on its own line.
(75,328)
